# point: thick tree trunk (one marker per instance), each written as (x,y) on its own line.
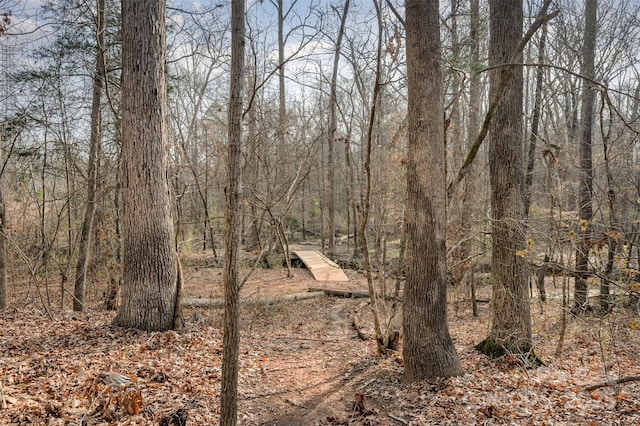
(511,319)
(585,186)
(231,338)
(428,349)
(150,269)
(84,250)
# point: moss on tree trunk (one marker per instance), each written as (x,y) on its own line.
(494,349)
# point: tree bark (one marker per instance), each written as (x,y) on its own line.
(231,338)
(494,99)
(511,318)
(84,250)
(282,106)
(251,173)
(331,134)
(150,269)
(535,124)
(614,233)
(471,184)
(585,185)
(541,275)
(365,208)
(3,246)
(428,349)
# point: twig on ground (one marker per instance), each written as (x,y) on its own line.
(613,382)
(3,402)
(398,419)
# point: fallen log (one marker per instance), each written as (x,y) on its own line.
(218,303)
(341,293)
(612,382)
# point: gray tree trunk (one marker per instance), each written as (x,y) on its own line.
(282,106)
(84,250)
(471,184)
(428,349)
(251,172)
(3,247)
(535,124)
(585,185)
(150,269)
(231,338)
(511,318)
(331,134)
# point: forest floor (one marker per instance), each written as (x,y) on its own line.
(302,363)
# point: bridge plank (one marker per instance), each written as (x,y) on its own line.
(321,267)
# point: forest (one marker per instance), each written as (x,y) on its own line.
(471,167)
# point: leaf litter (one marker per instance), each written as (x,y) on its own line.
(303,364)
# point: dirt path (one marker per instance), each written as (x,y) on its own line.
(305,370)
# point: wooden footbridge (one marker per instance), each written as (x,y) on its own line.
(321,267)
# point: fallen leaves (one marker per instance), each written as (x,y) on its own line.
(90,370)
(178,418)
(78,369)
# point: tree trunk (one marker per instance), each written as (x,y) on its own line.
(471,184)
(150,268)
(3,246)
(614,234)
(365,209)
(428,349)
(231,338)
(282,106)
(585,186)
(251,173)
(541,275)
(84,250)
(351,197)
(331,134)
(511,319)
(535,124)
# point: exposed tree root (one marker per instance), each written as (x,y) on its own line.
(356,326)
(493,349)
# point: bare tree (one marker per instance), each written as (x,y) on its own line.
(428,349)
(94,148)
